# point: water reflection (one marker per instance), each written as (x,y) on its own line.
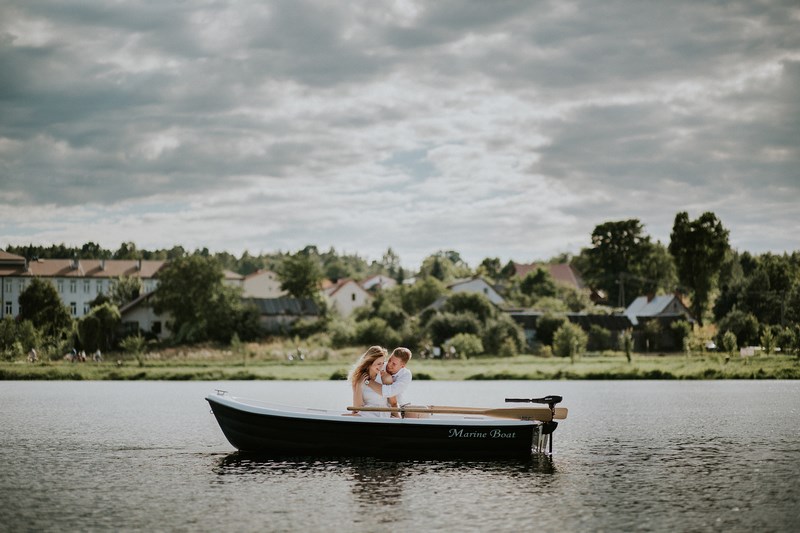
(376,478)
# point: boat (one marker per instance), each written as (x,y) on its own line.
(259,427)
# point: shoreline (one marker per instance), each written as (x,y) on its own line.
(523,367)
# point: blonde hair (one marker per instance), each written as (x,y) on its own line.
(361,369)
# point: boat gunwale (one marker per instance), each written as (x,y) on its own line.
(305,413)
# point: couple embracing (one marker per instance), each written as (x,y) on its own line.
(380,382)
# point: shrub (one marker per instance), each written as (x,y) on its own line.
(446,325)
(503,331)
(728,342)
(477,304)
(376,331)
(767,340)
(743,325)
(465,344)
(599,338)
(785,340)
(681,330)
(546,327)
(569,341)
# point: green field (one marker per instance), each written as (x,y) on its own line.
(326,364)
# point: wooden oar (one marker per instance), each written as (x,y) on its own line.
(519,413)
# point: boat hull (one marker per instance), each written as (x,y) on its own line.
(264,430)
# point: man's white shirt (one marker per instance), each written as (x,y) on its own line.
(400,383)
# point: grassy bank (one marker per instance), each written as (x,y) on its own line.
(211,365)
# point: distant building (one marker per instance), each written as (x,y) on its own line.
(664,306)
(278,314)
(138,316)
(563,273)
(78,282)
(378,281)
(345,296)
(477,285)
(262,284)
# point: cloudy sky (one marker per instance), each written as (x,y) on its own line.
(498,129)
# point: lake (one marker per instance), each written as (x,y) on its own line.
(633,455)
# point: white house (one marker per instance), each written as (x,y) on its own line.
(139,315)
(77,282)
(262,284)
(477,285)
(378,281)
(346,295)
(667,305)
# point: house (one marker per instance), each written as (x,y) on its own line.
(378,282)
(262,284)
(346,295)
(138,316)
(232,279)
(668,306)
(278,314)
(78,281)
(477,285)
(563,273)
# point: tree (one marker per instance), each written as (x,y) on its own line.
(699,248)
(300,275)
(126,289)
(191,290)
(538,284)
(96,330)
(569,341)
(41,305)
(619,247)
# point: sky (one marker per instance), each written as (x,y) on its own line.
(504,129)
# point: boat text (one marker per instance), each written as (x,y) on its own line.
(493,434)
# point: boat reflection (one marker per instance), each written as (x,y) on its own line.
(376,476)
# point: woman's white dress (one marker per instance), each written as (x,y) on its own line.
(373,399)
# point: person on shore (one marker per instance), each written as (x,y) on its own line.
(366,370)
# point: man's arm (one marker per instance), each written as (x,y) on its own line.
(401,382)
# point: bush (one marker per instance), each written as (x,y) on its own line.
(501,332)
(728,342)
(785,340)
(446,325)
(599,338)
(376,331)
(767,340)
(465,344)
(569,341)
(743,325)
(477,304)
(546,328)
(342,332)
(681,330)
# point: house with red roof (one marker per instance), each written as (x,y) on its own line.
(346,295)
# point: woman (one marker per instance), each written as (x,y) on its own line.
(367,368)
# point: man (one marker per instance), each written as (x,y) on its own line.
(397,376)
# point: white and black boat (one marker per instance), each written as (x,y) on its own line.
(253,426)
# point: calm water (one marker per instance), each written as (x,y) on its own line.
(665,456)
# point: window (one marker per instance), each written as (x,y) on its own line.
(22,284)
(9,308)
(73,308)
(73,286)
(60,286)
(353,297)
(86,308)
(8,286)
(87,285)
(99,287)
(156,328)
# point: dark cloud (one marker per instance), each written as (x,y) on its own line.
(615,101)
